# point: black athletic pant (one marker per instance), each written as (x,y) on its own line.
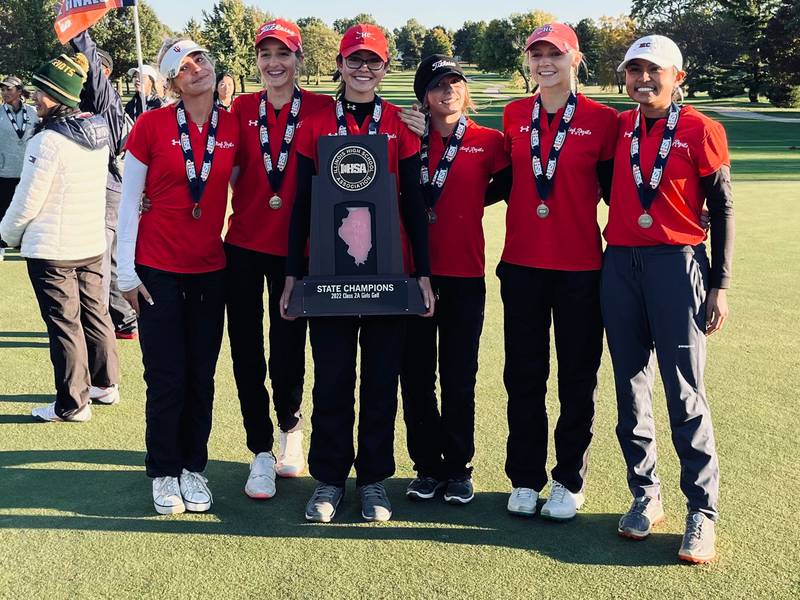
(121,312)
(530,297)
(82,345)
(180,335)
(7,187)
(442,444)
(244,283)
(334,344)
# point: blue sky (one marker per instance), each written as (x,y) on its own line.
(176,13)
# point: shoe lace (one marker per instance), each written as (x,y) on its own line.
(640,505)
(169,486)
(557,492)
(373,492)
(325,493)
(694,529)
(524,493)
(195,482)
(260,468)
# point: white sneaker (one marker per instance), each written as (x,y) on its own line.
(261,482)
(104,395)
(195,492)
(562,504)
(522,502)
(291,461)
(48,414)
(2,254)
(167,498)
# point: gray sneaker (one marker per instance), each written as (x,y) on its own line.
(375,504)
(644,513)
(698,540)
(323,503)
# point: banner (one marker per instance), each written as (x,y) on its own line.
(75,16)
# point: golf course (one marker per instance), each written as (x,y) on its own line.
(76,511)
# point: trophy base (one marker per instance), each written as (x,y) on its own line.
(353,296)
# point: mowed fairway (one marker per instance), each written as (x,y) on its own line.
(76,517)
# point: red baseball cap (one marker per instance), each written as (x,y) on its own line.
(364,36)
(560,35)
(283,31)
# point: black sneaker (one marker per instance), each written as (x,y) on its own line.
(423,488)
(459,491)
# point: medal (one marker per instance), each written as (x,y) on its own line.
(25,120)
(275,175)
(197,183)
(647,193)
(542,211)
(375,121)
(545,174)
(433,188)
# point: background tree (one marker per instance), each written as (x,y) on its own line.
(27,37)
(343,24)
(586,30)
(467,40)
(782,54)
(304,22)
(437,41)
(409,39)
(614,37)
(194,31)
(320,46)
(114,34)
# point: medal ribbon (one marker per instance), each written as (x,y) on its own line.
(197,184)
(433,188)
(274,175)
(544,176)
(25,120)
(374,124)
(648,193)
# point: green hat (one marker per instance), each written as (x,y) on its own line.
(62,78)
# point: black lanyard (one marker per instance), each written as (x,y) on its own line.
(433,188)
(648,193)
(25,120)
(375,121)
(544,176)
(197,184)
(275,175)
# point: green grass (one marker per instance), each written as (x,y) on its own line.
(76,517)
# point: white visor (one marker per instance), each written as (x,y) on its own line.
(656,49)
(173,58)
(146,69)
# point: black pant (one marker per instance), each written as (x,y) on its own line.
(244,284)
(180,335)
(122,314)
(82,345)
(7,187)
(442,446)
(530,296)
(334,343)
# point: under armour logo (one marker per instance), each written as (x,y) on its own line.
(525,128)
(176,142)
(32,160)
(253,123)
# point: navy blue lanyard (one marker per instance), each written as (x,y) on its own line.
(648,193)
(275,175)
(25,120)
(375,121)
(544,176)
(197,184)
(433,188)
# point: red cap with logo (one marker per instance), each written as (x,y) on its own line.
(364,36)
(560,35)
(283,31)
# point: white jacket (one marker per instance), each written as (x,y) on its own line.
(58,210)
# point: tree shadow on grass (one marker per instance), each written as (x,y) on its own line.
(25,398)
(22,339)
(33,483)
(23,334)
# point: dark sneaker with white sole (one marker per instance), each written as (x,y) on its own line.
(638,522)
(699,539)
(459,491)
(375,505)
(323,503)
(423,488)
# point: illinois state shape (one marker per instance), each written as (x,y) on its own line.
(356,232)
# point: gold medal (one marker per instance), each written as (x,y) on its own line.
(196,212)
(431,217)
(645,221)
(542,211)
(275,202)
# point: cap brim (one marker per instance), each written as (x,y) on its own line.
(358,47)
(435,81)
(662,62)
(555,41)
(282,39)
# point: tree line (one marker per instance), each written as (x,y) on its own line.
(730,47)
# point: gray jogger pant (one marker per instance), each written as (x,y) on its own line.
(653,302)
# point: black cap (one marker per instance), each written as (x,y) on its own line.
(431,71)
(105,59)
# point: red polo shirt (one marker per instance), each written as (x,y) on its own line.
(456,240)
(569,238)
(402,144)
(253,224)
(169,237)
(699,148)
